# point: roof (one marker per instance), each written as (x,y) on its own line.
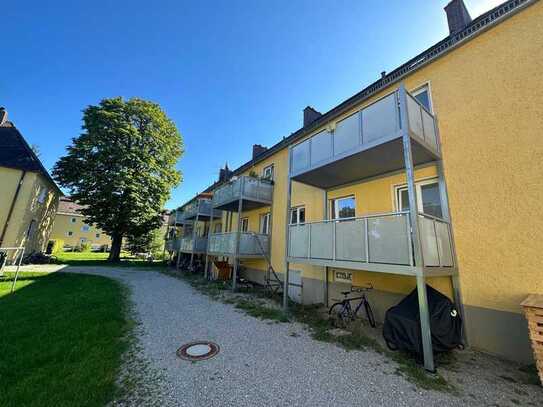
(16,153)
(67,206)
(449,43)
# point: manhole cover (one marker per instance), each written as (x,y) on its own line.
(199,350)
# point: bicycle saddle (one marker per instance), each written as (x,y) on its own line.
(345,292)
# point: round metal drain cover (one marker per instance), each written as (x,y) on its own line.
(199,350)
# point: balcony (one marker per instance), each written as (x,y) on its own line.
(380,243)
(172,244)
(366,144)
(253,192)
(179,218)
(201,208)
(188,244)
(250,244)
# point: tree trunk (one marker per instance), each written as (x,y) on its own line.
(115,253)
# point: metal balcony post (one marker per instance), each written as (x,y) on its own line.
(178,255)
(193,239)
(238,235)
(446,213)
(207,244)
(326,269)
(413,214)
(287,234)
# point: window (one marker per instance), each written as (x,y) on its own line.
(97,236)
(265,223)
(217,227)
(73,220)
(83,240)
(423,96)
(85,228)
(245,224)
(267,172)
(343,208)
(70,233)
(428,198)
(297,215)
(42,195)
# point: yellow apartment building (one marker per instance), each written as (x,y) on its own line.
(28,197)
(72,230)
(432,174)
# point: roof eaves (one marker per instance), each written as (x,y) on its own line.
(476,27)
(41,168)
(479,25)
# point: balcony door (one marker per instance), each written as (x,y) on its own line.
(428,198)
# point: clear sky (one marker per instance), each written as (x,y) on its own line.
(230,73)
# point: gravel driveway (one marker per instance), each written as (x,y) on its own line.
(261,363)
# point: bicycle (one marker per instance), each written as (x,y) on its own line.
(342,312)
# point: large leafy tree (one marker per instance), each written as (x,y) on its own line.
(122,167)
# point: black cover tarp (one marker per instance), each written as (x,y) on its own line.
(402,324)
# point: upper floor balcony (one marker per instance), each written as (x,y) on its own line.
(251,245)
(178,218)
(367,143)
(201,208)
(253,192)
(379,243)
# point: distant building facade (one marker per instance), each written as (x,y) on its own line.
(71,228)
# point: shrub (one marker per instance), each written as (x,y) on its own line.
(86,247)
(58,246)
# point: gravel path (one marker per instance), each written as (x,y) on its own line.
(261,363)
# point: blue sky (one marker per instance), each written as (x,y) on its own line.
(229,73)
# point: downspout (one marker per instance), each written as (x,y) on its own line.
(11,208)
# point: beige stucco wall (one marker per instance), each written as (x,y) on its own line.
(487,95)
(65,223)
(27,208)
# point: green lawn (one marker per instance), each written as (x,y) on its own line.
(100,259)
(62,337)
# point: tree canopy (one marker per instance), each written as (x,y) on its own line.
(122,167)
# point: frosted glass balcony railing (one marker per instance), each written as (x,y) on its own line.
(246,188)
(376,239)
(373,126)
(200,207)
(198,244)
(250,244)
(178,218)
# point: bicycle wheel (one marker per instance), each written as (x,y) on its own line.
(338,315)
(369,314)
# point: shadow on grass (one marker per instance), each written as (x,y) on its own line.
(62,340)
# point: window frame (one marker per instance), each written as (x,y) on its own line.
(271,176)
(418,191)
(265,219)
(244,225)
(42,194)
(422,88)
(297,210)
(333,207)
(69,233)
